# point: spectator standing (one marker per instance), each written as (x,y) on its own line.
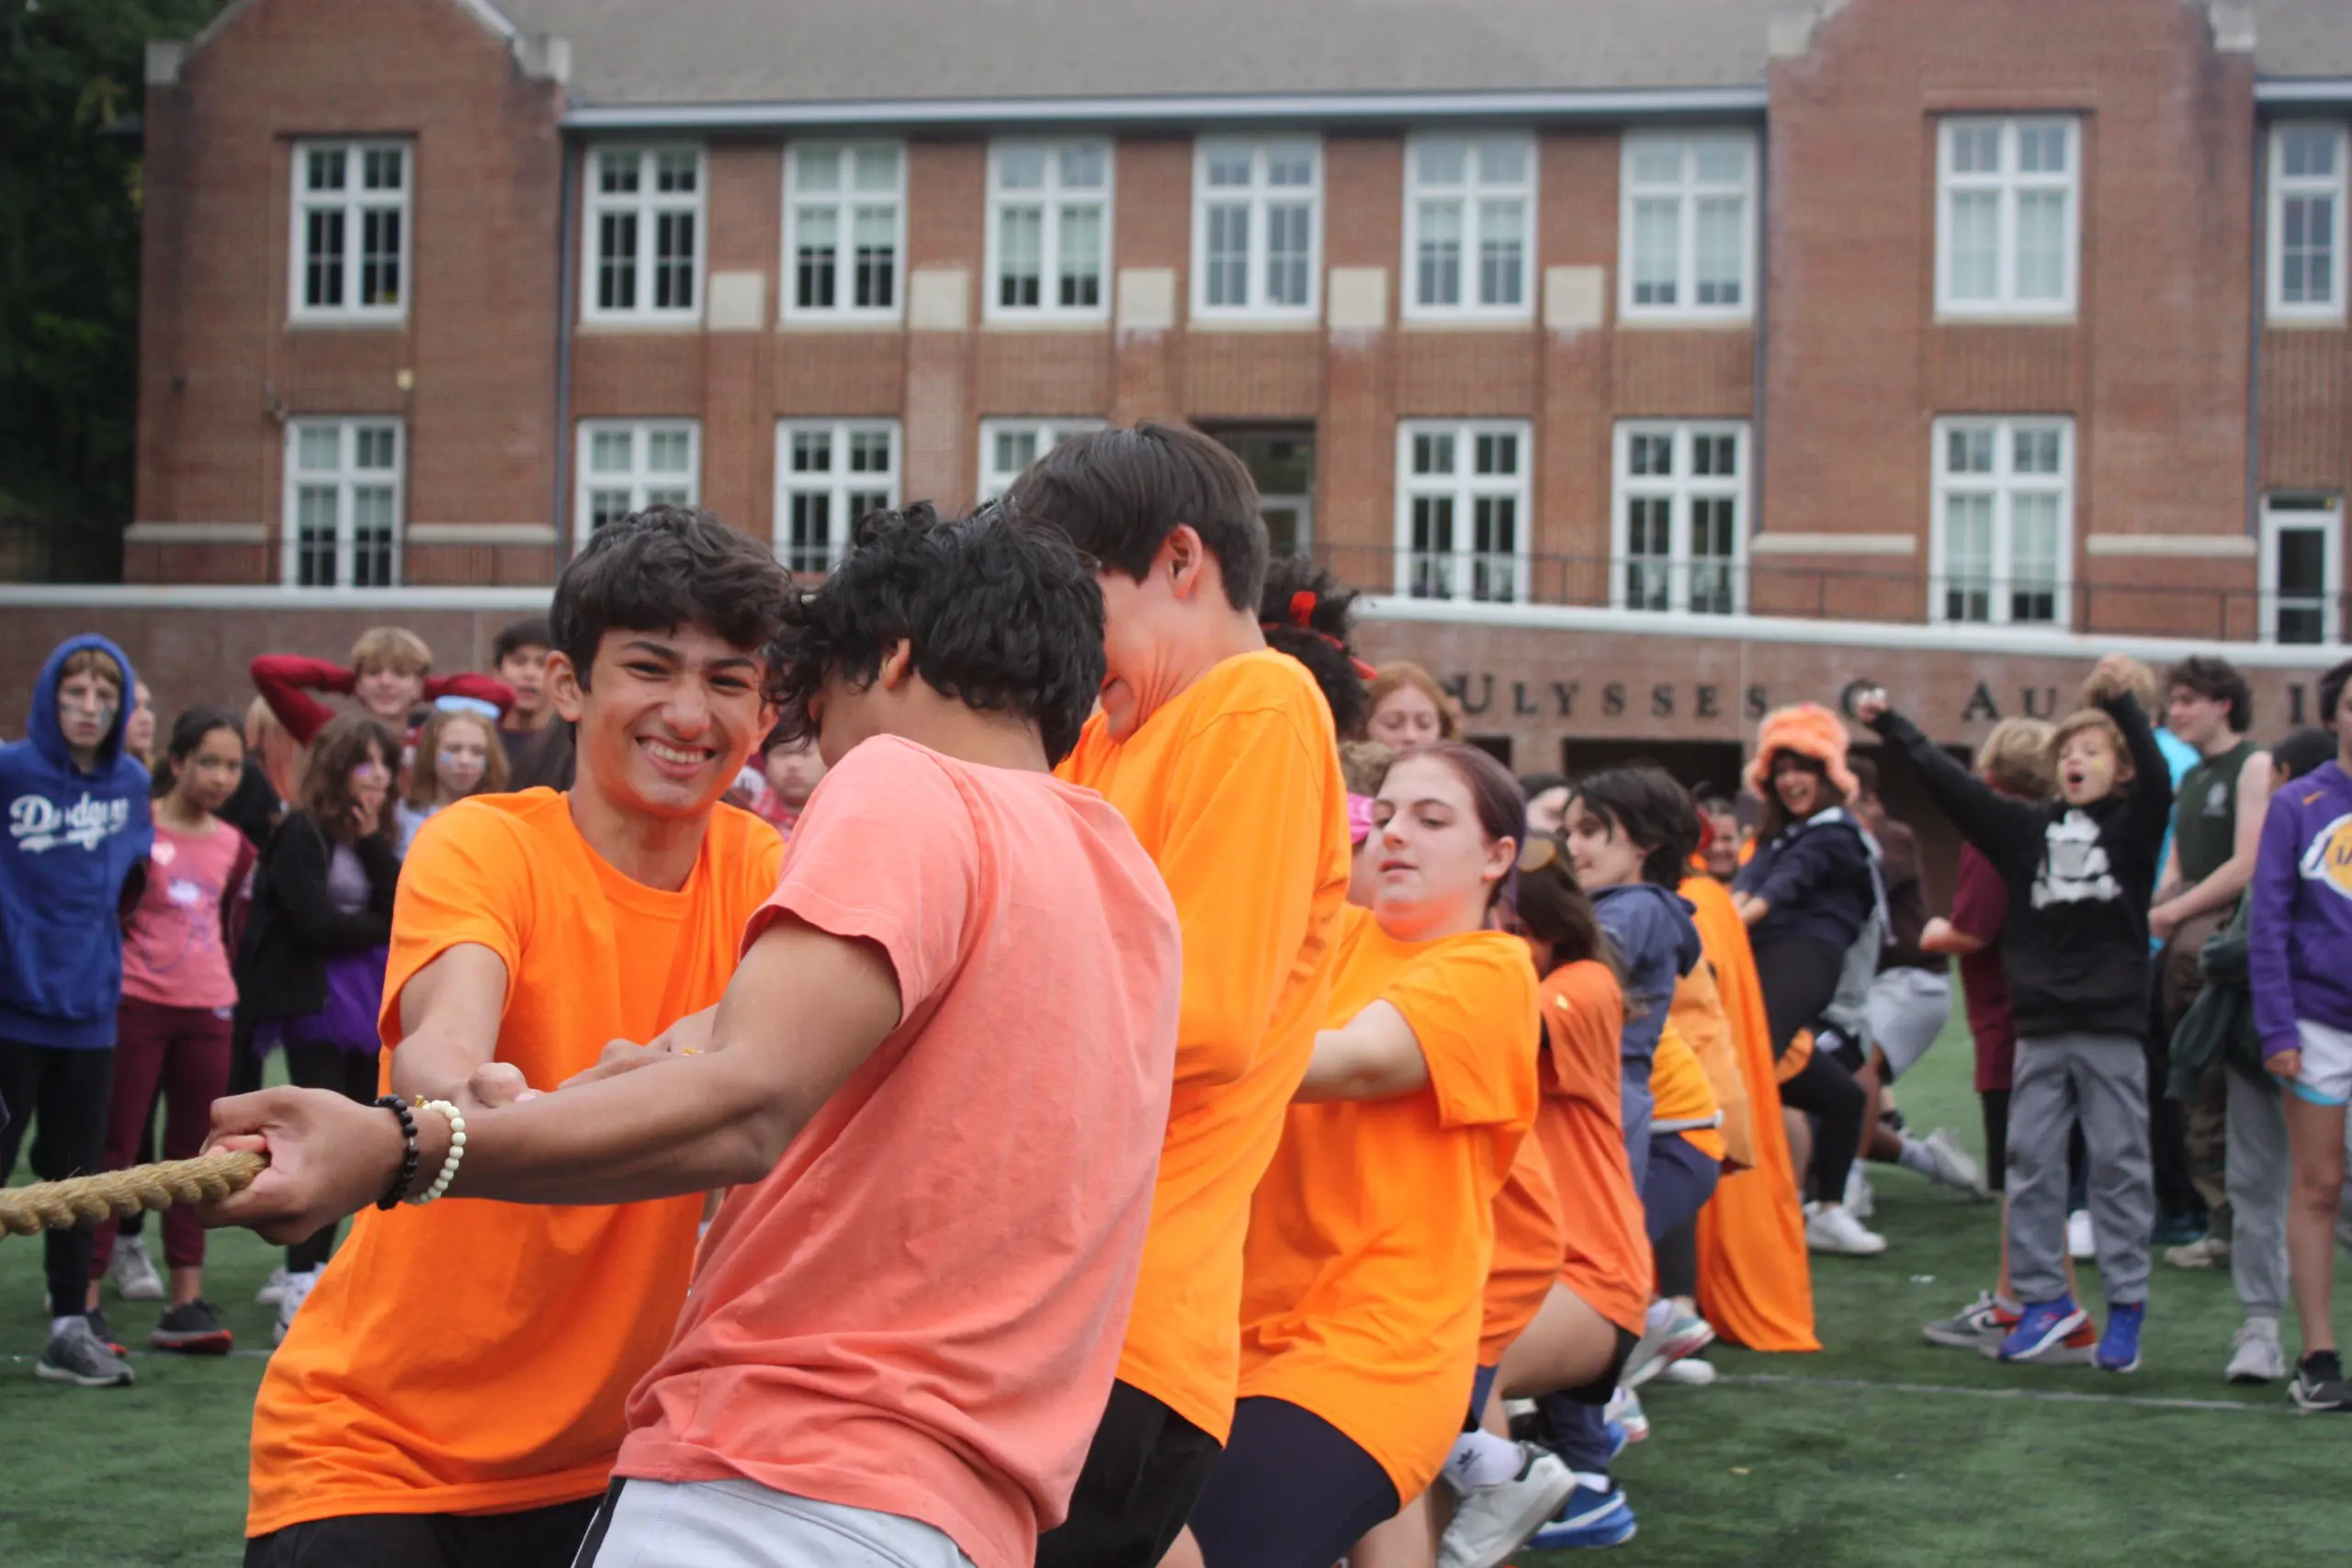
(310,972)
(458,754)
(179,997)
(79,823)
(1408,707)
(390,676)
(791,770)
(138,730)
(519,655)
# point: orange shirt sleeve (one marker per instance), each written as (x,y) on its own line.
(885,852)
(1243,866)
(467,878)
(1473,1008)
(1584,1011)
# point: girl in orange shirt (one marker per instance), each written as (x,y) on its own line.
(1371,1234)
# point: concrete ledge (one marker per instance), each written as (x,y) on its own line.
(531,534)
(1778,544)
(195,533)
(2207,546)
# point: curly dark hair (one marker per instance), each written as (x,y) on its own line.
(1310,615)
(662,568)
(2216,680)
(1119,493)
(1003,616)
(2330,693)
(1648,807)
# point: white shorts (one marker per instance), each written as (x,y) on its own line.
(740,1524)
(2327,1075)
(1909,1007)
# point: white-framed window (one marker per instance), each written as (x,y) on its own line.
(1463,511)
(1682,509)
(2003,548)
(627,465)
(1469,226)
(830,473)
(844,230)
(2302,568)
(343,503)
(1257,227)
(2007,216)
(1686,226)
(1010,446)
(643,234)
(1050,230)
(350,231)
(2306,239)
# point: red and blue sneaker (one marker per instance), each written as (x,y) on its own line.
(2041,1330)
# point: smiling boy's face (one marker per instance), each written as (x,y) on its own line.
(2088,766)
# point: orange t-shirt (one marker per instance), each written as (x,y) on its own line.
(1233,787)
(919,1309)
(1528,1227)
(1372,1235)
(1697,1015)
(1605,1238)
(1679,1092)
(473,1357)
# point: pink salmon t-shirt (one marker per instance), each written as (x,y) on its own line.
(920,1309)
(172,949)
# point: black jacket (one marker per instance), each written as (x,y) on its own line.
(2075,945)
(294,928)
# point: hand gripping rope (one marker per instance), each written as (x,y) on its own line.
(56,1205)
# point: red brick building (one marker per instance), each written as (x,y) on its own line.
(1653,358)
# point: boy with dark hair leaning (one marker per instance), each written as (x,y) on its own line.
(1220,753)
(903,1324)
(2074,951)
(519,655)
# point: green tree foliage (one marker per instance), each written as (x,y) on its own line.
(71,85)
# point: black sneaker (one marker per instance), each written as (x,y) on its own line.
(76,1355)
(97,1321)
(192,1329)
(2319,1384)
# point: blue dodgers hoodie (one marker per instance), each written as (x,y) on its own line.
(2299,932)
(73,836)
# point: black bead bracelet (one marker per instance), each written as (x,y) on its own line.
(400,1183)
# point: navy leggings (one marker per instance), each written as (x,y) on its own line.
(1682,1178)
(1292,1491)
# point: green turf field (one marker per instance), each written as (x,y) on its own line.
(1880,1452)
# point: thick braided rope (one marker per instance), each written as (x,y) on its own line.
(54,1205)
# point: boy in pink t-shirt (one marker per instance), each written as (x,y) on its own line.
(936,1087)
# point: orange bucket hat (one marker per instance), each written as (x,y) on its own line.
(1809,731)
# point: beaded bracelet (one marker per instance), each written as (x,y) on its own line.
(449,1162)
(399,1189)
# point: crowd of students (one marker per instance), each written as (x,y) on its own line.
(1175,1102)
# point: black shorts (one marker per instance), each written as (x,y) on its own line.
(529,1537)
(1997,1137)
(1292,1491)
(1601,1388)
(1143,1471)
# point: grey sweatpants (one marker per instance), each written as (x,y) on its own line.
(2100,1080)
(2259,1175)
(740,1524)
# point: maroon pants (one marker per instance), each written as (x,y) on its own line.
(185,1050)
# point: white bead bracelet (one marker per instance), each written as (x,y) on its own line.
(449,1172)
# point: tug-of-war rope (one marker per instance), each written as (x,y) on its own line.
(54,1205)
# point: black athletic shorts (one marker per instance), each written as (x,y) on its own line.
(529,1537)
(1602,1388)
(1143,1473)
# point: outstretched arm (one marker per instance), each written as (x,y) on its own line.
(1374,1056)
(286,682)
(1987,819)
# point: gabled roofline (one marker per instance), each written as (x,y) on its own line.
(482,11)
(1321,108)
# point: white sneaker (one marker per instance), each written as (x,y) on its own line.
(2205,1252)
(1833,1230)
(1955,1166)
(1492,1523)
(273,1290)
(297,1291)
(1624,1407)
(133,1271)
(2080,1242)
(1861,1202)
(1689,1372)
(2255,1355)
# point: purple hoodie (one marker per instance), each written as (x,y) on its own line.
(2298,955)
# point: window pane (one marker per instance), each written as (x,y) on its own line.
(1497,455)
(1974,268)
(2034,451)
(1502,163)
(1228,279)
(2308,153)
(815,262)
(1649,548)
(372,447)
(2302,562)
(667,495)
(1432,548)
(1494,574)
(1290,168)
(319,449)
(1015,450)
(877,168)
(315,518)
(322,264)
(2042,245)
(2307,239)
(379,256)
(617,173)
(667,452)
(1723,228)
(1715,457)
(1437,273)
(1432,453)
(1438,161)
(675,172)
(381,169)
(1723,161)
(616,261)
(371,536)
(1651,456)
(608,452)
(2033,570)
(1021,168)
(1658,247)
(1502,265)
(1711,554)
(2041,149)
(674,261)
(606,506)
(1658,161)
(1975,149)
(323,169)
(876,229)
(1020,256)
(1288,244)
(869,451)
(810,536)
(812,451)
(1083,167)
(1968,557)
(1229,166)
(817,169)
(1081,255)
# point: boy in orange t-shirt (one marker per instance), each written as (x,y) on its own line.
(1221,754)
(452,1391)
(904,1325)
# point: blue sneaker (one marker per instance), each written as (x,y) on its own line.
(1618,1438)
(1590,1519)
(2042,1328)
(2118,1347)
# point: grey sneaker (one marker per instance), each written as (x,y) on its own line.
(1496,1521)
(2319,1384)
(75,1354)
(133,1271)
(1982,1322)
(1955,1166)
(2255,1355)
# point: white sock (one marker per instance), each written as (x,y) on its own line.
(1916,1156)
(1588,1479)
(1661,1313)
(58,1326)
(1481,1460)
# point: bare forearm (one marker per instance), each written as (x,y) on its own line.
(2216,892)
